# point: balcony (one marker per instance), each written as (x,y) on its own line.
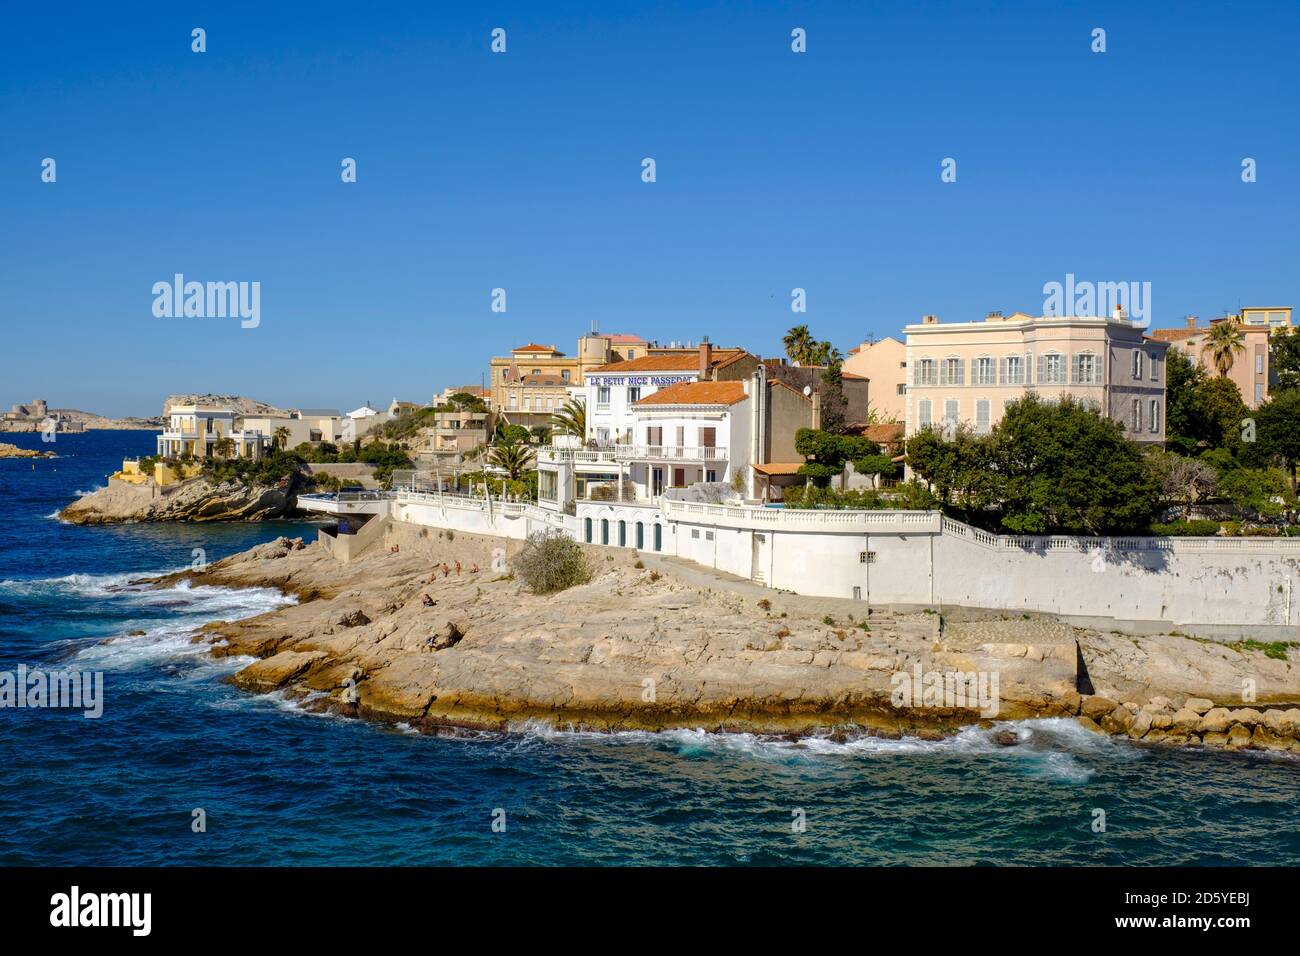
(617,453)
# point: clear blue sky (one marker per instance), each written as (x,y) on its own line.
(522,171)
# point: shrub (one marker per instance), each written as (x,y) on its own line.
(551,561)
(1201,528)
(764,604)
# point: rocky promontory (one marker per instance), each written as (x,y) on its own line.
(195,499)
(13,451)
(420,631)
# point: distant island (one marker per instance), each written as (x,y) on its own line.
(38,416)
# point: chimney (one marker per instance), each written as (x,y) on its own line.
(706,358)
(1191,323)
(929,320)
(993,317)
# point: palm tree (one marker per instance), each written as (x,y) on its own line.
(570,419)
(281,436)
(799,344)
(1224,342)
(511,457)
(824,353)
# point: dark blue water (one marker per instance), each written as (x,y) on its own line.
(281,786)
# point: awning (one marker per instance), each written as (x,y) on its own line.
(775,468)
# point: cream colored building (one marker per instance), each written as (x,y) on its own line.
(1251,369)
(196,430)
(530,384)
(304,425)
(884,363)
(966,372)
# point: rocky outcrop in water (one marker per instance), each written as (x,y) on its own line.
(13,451)
(637,648)
(196,499)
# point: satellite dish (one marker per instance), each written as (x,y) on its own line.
(807,390)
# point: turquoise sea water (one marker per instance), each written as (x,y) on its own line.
(282,786)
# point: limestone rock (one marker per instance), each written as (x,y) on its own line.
(1238,736)
(1185,721)
(1198,704)
(1216,720)
(1118,721)
(1096,706)
(1087,723)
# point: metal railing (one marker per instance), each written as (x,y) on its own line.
(614,453)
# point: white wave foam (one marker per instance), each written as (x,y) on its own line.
(1049,747)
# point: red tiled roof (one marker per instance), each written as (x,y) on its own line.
(683,362)
(1174,335)
(697,393)
(534,347)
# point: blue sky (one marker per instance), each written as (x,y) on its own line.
(522,171)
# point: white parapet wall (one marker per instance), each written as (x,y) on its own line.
(1214,587)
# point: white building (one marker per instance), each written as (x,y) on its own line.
(650,430)
(196,430)
(304,425)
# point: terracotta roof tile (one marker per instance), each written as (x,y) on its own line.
(684,362)
(697,393)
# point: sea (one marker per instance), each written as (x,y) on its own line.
(182,768)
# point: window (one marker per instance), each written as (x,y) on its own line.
(866,557)
(659,537)
(514,399)
(505,374)
(622,534)
(1259,363)
(923,413)
(1051,369)
(710,476)
(564,374)
(982,415)
(1155,366)
(925,372)
(950,412)
(1085,370)
(1137,365)
(640,536)
(1013,370)
(952,372)
(604,531)
(1259,392)
(1155,415)
(586,524)
(633,394)
(984,374)
(708,536)
(546,485)
(602,396)
(902,388)
(1137,414)
(695,532)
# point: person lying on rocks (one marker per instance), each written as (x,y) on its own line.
(428,601)
(474,569)
(395,549)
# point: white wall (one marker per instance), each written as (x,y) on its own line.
(1207,586)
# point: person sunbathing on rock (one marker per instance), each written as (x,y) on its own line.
(428,601)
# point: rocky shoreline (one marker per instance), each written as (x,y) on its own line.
(639,649)
(195,499)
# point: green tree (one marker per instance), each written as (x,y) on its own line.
(511,457)
(281,436)
(826,453)
(1224,342)
(1066,468)
(571,419)
(799,344)
(464,401)
(224,447)
(834,407)
(1277,431)
(1284,358)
